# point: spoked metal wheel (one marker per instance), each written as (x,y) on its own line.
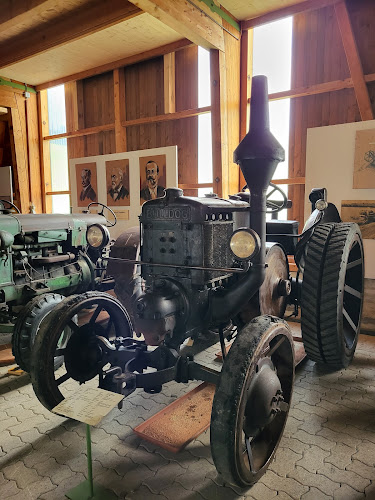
(99,314)
(332,293)
(252,400)
(27,327)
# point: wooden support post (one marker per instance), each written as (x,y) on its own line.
(169,83)
(354,62)
(21,171)
(35,174)
(219,123)
(120,114)
(44,150)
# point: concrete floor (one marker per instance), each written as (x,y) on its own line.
(327,451)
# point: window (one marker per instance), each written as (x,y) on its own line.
(58,150)
(204,122)
(272,56)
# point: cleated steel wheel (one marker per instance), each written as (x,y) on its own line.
(27,327)
(332,293)
(97,314)
(252,400)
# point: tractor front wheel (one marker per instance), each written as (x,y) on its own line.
(252,400)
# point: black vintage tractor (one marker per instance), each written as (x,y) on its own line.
(199,265)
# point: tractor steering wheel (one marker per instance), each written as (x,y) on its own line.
(274,205)
(12,205)
(109,223)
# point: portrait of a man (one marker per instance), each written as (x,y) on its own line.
(86,183)
(153,178)
(117,176)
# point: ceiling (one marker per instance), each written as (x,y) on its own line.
(46,40)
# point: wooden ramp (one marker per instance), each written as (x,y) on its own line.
(179,423)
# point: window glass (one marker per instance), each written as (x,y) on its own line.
(58,149)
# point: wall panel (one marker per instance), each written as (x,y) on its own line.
(318,56)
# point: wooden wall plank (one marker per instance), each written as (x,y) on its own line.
(119,102)
(169,82)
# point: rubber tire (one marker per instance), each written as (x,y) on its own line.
(27,327)
(50,330)
(322,324)
(234,382)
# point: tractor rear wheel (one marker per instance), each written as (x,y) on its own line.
(332,293)
(81,352)
(252,400)
(27,327)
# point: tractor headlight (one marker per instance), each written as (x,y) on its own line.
(244,243)
(97,236)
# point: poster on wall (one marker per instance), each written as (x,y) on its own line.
(363,213)
(152,177)
(86,183)
(122,182)
(117,182)
(364,160)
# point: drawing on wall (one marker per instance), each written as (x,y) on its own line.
(363,213)
(86,182)
(153,177)
(364,160)
(117,182)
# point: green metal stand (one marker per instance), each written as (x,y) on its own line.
(88,490)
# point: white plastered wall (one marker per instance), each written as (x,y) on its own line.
(329,164)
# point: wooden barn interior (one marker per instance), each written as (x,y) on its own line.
(129,71)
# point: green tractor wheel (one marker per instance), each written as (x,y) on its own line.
(27,327)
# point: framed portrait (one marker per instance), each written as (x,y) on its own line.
(152,171)
(117,183)
(364,160)
(86,183)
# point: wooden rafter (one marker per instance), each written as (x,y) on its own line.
(126,61)
(354,62)
(289,10)
(71,26)
(186,19)
(14,13)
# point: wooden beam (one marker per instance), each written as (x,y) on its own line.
(120,115)
(178,115)
(81,22)
(127,61)
(15,13)
(169,82)
(8,97)
(354,62)
(188,20)
(319,88)
(291,182)
(289,10)
(79,133)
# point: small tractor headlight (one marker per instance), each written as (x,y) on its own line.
(97,236)
(244,243)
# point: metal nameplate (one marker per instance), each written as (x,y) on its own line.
(168,213)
